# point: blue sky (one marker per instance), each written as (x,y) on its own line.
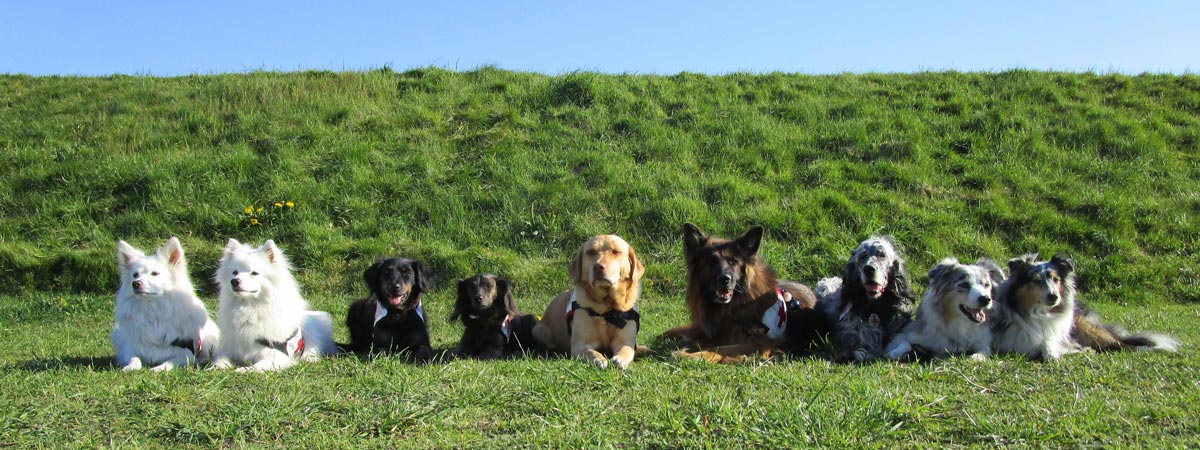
(180,38)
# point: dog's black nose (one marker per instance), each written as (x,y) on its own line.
(235,282)
(137,284)
(1052,297)
(396,287)
(985,301)
(725,278)
(869,270)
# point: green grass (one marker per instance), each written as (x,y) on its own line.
(507,172)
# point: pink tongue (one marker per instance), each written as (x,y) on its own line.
(396,300)
(980,315)
(874,289)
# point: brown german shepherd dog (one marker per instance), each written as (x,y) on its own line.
(739,310)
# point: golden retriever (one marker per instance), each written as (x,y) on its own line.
(598,317)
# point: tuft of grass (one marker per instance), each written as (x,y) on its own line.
(506,172)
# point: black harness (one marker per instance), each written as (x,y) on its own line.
(282,346)
(187,344)
(616,318)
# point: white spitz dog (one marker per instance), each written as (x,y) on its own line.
(159,321)
(267,324)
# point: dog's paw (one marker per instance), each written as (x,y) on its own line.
(862,355)
(162,367)
(978,357)
(622,362)
(247,369)
(136,364)
(222,363)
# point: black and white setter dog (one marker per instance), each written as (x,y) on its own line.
(869,303)
(391,320)
(494,327)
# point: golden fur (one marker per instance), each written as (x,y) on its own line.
(606,274)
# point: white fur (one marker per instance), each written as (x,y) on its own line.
(162,309)
(947,333)
(265,304)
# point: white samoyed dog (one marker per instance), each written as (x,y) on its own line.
(267,324)
(159,322)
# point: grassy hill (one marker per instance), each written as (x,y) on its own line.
(507,172)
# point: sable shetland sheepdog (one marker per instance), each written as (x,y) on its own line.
(159,322)
(952,316)
(869,304)
(1038,316)
(739,310)
(266,322)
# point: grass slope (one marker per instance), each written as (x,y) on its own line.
(506,172)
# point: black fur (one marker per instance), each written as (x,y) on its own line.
(402,331)
(853,332)
(484,303)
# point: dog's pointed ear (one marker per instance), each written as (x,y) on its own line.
(504,293)
(172,251)
(1065,265)
(636,268)
(232,246)
(126,254)
(575,268)
(460,301)
(943,266)
(693,238)
(274,253)
(994,272)
(750,240)
(422,280)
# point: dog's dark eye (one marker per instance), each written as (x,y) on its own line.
(964,285)
(731,261)
(235,273)
(616,252)
(254,274)
(154,274)
(591,252)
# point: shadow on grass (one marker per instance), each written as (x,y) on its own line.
(94,363)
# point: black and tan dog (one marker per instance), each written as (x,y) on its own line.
(597,318)
(739,309)
(494,327)
(392,320)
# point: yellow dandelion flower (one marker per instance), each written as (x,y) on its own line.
(290,204)
(259,209)
(253,221)
(249,209)
(278,205)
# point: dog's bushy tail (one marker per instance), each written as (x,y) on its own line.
(1090,332)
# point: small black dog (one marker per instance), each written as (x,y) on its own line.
(391,319)
(494,326)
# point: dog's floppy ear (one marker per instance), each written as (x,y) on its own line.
(993,270)
(750,240)
(504,294)
(172,251)
(636,268)
(693,238)
(126,254)
(943,266)
(460,303)
(422,280)
(1065,265)
(575,267)
(371,275)
(1019,265)
(898,280)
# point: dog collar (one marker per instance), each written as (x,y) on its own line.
(382,311)
(192,345)
(775,318)
(291,347)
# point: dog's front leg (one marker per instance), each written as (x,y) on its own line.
(135,363)
(181,358)
(587,351)
(623,356)
(899,347)
(269,359)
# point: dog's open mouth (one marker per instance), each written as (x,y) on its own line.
(977,315)
(396,300)
(724,295)
(874,290)
(244,291)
